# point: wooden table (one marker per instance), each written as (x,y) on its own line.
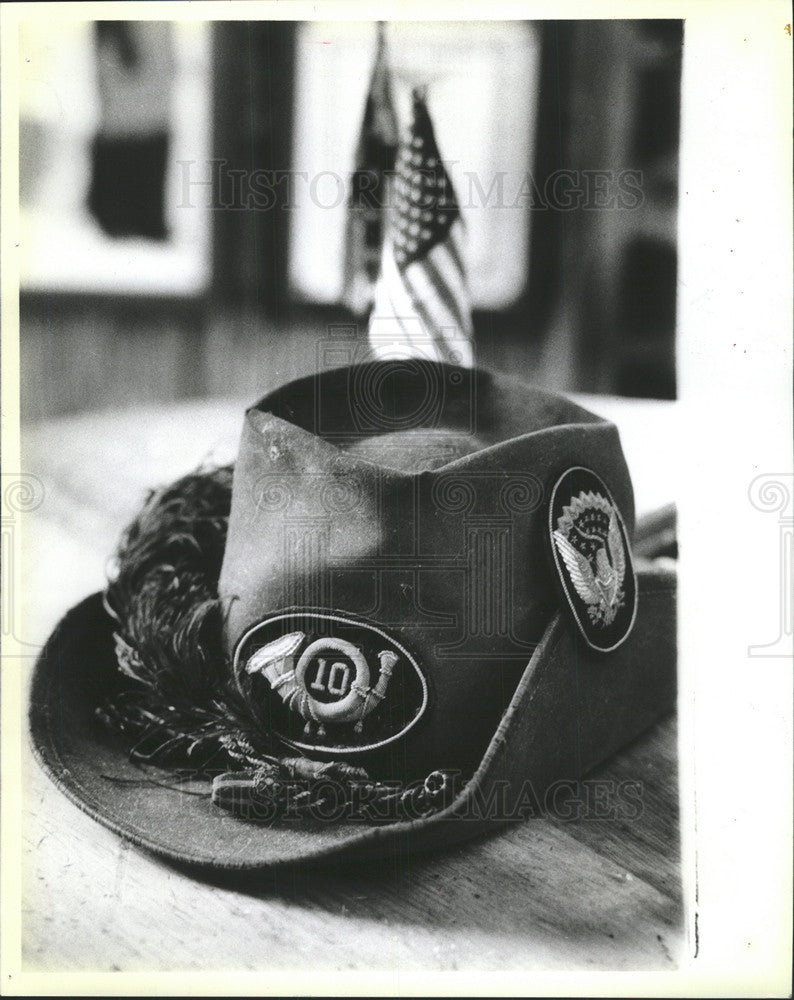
(550,893)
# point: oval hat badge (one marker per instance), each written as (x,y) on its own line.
(329,683)
(592,557)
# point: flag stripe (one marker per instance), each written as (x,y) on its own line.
(435,298)
(440,325)
(456,282)
(453,243)
(444,279)
(421,284)
(432,329)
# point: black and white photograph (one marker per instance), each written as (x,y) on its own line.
(397,499)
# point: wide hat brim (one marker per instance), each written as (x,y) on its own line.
(572,709)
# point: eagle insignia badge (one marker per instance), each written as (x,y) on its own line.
(329,683)
(592,557)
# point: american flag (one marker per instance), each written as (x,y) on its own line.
(421,300)
(375,155)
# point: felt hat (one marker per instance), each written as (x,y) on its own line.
(408,613)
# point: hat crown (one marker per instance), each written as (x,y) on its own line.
(410,495)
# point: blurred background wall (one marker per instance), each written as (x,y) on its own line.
(182,197)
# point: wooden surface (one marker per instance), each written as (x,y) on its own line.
(597,893)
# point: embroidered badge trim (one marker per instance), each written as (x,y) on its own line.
(592,558)
(328,681)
